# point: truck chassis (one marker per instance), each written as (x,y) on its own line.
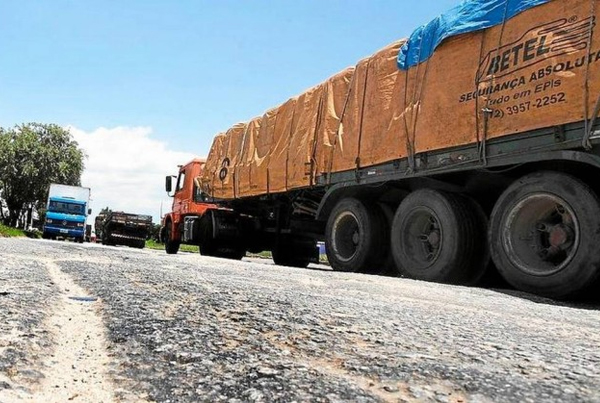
(528,201)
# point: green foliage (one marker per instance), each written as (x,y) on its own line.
(32,156)
(9,232)
(155,233)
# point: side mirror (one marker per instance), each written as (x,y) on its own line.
(169,183)
(89,211)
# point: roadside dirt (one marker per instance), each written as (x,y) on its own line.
(77,369)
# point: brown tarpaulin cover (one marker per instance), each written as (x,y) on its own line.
(335,98)
(246,182)
(303,138)
(539,69)
(278,153)
(211,169)
(231,153)
(369,128)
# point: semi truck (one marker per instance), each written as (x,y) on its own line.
(119,228)
(66,212)
(468,149)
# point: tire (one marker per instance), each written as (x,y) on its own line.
(210,247)
(355,237)
(108,241)
(439,237)
(171,246)
(224,251)
(295,254)
(544,235)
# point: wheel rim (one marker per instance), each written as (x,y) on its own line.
(541,234)
(421,237)
(346,236)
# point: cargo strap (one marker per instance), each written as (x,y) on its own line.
(486,110)
(589,127)
(310,166)
(589,121)
(287,148)
(415,103)
(337,132)
(362,116)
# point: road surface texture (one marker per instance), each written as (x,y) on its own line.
(87,323)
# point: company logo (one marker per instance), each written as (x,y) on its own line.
(560,37)
(64,223)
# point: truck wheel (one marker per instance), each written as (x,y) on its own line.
(355,237)
(295,254)
(233,252)
(210,247)
(437,236)
(171,246)
(544,235)
(225,251)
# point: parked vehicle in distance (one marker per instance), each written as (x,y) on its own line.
(88,232)
(66,212)
(119,228)
(476,140)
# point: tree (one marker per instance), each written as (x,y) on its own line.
(32,156)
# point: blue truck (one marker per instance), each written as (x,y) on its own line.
(66,212)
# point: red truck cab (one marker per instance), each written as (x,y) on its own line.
(186,203)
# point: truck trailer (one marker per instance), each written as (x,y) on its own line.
(119,228)
(470,147)
(66,212)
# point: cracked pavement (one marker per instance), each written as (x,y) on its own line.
(188,328)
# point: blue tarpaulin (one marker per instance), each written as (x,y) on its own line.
(469,16)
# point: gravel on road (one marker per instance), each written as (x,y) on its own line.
(191,328)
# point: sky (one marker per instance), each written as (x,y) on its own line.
(144,85)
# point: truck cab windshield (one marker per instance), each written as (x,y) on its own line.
(64,207)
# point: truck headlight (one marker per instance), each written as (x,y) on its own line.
(80,224)
(48,221)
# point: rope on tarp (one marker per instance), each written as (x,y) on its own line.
(362,118)
(487,111)
(415,104)
(589,121)
(337,132)
(313,153)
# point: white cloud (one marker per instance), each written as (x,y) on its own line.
(126,168)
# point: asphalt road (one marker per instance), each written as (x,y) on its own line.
(188,328)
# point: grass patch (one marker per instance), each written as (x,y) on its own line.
(261,255)
(151,244)
(9,232)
